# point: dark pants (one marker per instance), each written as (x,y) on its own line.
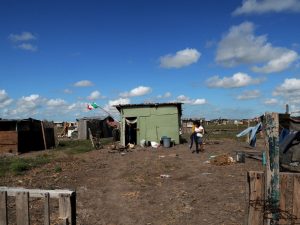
(198,141)
(192,137)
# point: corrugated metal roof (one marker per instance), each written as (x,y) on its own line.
(94,118)
(17,120)
(119,107)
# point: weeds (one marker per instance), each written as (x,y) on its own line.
(57,169)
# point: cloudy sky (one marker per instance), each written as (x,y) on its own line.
(229,59)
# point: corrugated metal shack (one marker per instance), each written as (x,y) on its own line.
(99,127)
(150,122)
(19,136)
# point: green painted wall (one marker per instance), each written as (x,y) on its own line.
(153,122)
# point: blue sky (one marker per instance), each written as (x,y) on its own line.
(229,59)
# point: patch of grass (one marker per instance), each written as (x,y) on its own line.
(79,146)
(75,146)
(20,165)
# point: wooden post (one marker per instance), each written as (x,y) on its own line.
(46,209)
(256,197)
(22,208)
(44,138)
(296,198)
(283,195)
(67,208)
(91,137)
(3,208)
(55,136)
(271,126)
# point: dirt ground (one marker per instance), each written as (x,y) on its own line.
(125,189)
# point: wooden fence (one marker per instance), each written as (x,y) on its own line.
(66,201)
(261,209)
(274,196)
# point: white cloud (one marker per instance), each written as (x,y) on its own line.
(265,6)
(56,103)
(289,91)
(5,100)
(182,58)
(241,46)
(110,107)
(235,81)
(165,95)
(278,64)
(249,95)
(83,83)
(139,91)
(187,100)
(27,106)
(289,88)
(27,47)
(199,101)
(271,101)
(95,95)
(24,36)
(120,101)
(68,91)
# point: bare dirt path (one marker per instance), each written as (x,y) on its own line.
(128,189)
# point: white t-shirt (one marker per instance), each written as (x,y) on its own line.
(199,131)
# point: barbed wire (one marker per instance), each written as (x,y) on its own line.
(267,207)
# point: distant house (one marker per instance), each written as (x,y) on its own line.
(187,124)
(100,126)
(19,136)
(150,122)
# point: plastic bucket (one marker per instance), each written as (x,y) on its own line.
(143,143)
(240,157)
(166,142)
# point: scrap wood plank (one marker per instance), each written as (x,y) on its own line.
(283,195)
(3,208)
(256,196)
(22,208)
(253,156)
(296,197)
(67,208)
(271,128)
(36,193)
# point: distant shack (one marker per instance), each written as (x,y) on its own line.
(99,126)
(150,122)
(24,135)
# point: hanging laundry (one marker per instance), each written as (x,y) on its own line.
(252,131)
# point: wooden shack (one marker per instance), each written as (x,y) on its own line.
(150,122)
(99,126)
(19,136)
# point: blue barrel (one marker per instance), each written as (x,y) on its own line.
(166,142)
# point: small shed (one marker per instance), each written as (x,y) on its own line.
(19,136)
(150,122)
(99,127)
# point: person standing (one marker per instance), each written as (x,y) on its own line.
(193,135)
(199,132)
